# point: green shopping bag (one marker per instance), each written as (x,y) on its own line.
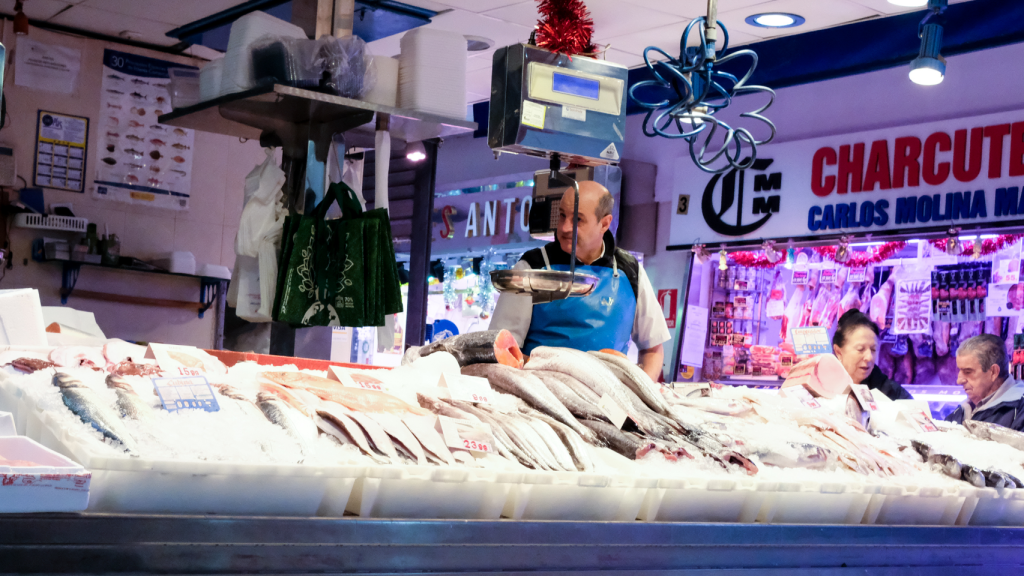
(310,269)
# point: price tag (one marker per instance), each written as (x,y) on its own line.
(857,274)
(468,388)
(864,397)
(756,370)
(351,379)
(828,276)
(718,310)
(170,358)
(741,285)
(613,411)
(810,340)
(466,435)
(775,308)
(186,393)
(740,369)
(738,338)
(786,360)
(719,339)
(741,301)
(800,394)
(919,420)
(800,277)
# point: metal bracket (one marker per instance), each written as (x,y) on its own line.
(68,279)
(209,288)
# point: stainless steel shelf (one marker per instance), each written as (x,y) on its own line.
(279,109)
(109,543)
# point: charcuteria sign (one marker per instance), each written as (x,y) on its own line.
(964,173)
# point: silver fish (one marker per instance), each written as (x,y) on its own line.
(335,423)
(397,429)
(636,380)
(595,374)
(722,406)
(129,403)
(528,387)
(442,408)
(619,441)
(577,406)
(573,442)
(375,434)
(296,424)
(794,455)
(554,444)
(85,403)
(240,399)
(422,427)
(581,389)
(996,433)
(530,439)
(507,447)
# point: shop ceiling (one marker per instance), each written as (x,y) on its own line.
(625,26)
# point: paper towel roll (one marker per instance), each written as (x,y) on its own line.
(385,88)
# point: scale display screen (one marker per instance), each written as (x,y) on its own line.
(576,86)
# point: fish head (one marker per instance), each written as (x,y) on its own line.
(64,380)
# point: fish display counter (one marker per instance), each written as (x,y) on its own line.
(467,428)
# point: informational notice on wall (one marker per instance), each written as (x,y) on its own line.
(60,151)
(695,333)
(140,160)
(46,67)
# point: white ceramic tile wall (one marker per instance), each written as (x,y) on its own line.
(207,229)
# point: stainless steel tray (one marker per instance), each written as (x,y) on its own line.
(543,285)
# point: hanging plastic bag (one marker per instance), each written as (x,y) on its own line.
(257,242)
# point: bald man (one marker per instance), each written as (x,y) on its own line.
(622,307)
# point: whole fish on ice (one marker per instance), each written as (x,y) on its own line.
(636,380)
(87,404)
(129,403)
(493,346)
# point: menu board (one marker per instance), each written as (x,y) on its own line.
(60,150)
(140,160)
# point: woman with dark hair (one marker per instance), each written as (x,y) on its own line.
(855,344)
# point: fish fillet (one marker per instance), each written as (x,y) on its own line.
(492,346)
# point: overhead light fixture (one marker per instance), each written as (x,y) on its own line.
(775,20)
(929,68)
(909,3)
(20,20)
(416,152)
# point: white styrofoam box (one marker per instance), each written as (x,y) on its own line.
(209,79)
(816,503)
(179,262)
(994,507)
(922,505)
(385,83)
(575,496)
(7,427)
(136,485)
(236,74)
(431,492)
(432,72)
(704,500)
(55,485)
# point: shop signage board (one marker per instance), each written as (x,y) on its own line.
(140,161)
(925,177)
(482,221)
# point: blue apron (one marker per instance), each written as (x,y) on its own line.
(601,319)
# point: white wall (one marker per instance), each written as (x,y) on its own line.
(207,229)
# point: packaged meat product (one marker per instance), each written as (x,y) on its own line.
(880,304)
(776,306)
(823,375)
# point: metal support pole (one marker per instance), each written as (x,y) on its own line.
(419,251)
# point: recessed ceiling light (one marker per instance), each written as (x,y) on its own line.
(478,43)
(775,20)
(912,3)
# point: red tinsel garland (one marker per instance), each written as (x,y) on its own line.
(988,247)
(565,26)
(879,254)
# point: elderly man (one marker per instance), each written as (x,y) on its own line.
(623,306)
(992,396)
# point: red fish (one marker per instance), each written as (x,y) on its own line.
(157,142)
(178,159)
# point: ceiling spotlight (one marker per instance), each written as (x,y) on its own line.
(929,68)
(416,152)
(775,20)
(478,43)
(909,3)
(20,20)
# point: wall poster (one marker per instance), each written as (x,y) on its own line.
(60,151)
(141,161)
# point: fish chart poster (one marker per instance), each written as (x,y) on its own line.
(140,161)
